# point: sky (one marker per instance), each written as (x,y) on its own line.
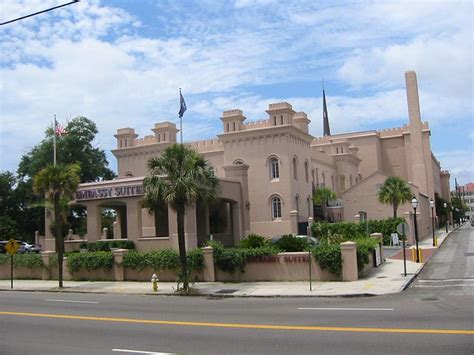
(121,63)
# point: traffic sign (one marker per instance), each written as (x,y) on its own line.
(402,229)
(12,247)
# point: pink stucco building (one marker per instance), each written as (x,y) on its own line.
(268,170)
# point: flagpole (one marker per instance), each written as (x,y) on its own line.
(180,122)
(54,139)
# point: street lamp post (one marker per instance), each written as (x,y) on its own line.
(452,214)
(308,235)
(414,204)
(445,205)
(432,204)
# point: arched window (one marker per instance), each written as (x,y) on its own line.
(324,180)
(297,202)
(295,168)
(308,201)
(274,169)
(276,207)
(332,182)
(312,175)
(306,171)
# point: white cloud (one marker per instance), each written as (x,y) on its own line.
(460,164)
(93,60)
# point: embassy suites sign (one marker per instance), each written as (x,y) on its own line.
(109,192)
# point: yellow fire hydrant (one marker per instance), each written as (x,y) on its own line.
(154,282)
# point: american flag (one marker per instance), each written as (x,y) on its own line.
(59,129)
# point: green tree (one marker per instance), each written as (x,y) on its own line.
(8,206)
(394,191)
(75,147)
(58,183)
(322,196)
(179,178)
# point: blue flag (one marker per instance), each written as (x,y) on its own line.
(182,105)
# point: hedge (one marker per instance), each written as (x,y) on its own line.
(106,245)
(164,259)
(27,260)
(329,255)
(344,231)
(232,260)
(90,261)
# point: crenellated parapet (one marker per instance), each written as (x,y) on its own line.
(205,146)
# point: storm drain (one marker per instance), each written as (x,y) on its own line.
(227,291)
(471,253)
(429,299)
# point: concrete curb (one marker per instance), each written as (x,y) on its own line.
(213,295)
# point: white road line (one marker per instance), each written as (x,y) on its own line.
(346,309)
(70,301)
(440,286)
(447,280)
(140,352)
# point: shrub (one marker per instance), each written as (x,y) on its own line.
(344,231)
(164,259)
(328,256)
(290,243)
(262,251)
(106,245)
(195,259)
(365,246)
(234,259)
(4,258)
(230,259)
(29,261)
(253,241)
(90,261)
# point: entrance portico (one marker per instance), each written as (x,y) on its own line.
(123,197)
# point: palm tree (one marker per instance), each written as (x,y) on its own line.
(321,197)
(395,191)
(179,178)
(58,183)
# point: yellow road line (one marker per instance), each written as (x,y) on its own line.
(246,326)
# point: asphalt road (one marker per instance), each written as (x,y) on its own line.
(426,319)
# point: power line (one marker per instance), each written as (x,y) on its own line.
(39,12)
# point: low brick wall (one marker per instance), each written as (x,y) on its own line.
(280,267)
(19,273)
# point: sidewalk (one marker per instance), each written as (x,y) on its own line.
(386,279)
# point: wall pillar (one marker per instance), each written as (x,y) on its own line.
(208,273)
(294,215)
(46,271)
(119,272)
(93,222)
(349,261)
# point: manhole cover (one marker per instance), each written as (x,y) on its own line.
(429,299)
(381,277)
(227,291)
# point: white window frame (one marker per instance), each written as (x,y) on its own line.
(274,169)
(276,207)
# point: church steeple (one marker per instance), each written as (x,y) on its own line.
(326,130)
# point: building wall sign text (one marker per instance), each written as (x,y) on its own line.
(110,192)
